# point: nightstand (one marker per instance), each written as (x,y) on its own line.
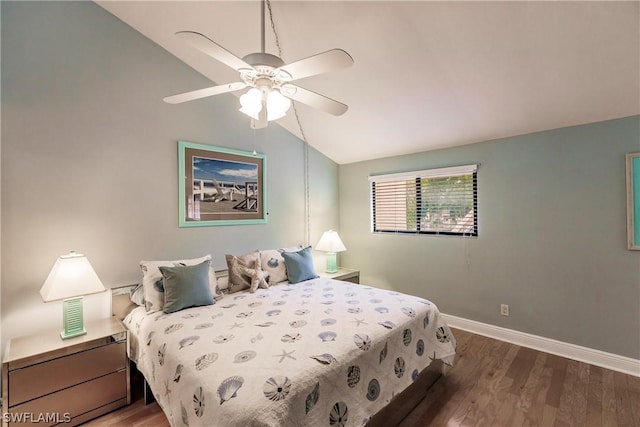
(49,380)
(344,274)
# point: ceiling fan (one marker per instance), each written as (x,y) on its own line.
(268,77)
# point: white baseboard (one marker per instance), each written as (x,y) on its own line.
(611,361)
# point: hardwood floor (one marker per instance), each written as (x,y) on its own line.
(494,384)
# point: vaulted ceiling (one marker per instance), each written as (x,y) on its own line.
(427,75)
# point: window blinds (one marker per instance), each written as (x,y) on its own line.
(433,201)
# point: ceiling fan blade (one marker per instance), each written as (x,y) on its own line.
(213,49)
(203,93)
(314,100)
(330,60)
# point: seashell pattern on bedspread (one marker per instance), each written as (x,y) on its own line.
(316,353)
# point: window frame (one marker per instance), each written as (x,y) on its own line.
(417,176)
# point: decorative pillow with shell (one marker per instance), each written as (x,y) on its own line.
(258,277)
(238,280)
(259,280)
(152,280)
(273,263)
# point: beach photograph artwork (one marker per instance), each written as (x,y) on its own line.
(220,186)
(224,185)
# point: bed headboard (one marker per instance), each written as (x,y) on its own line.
(121,304)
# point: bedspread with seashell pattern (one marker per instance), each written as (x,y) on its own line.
(318,353)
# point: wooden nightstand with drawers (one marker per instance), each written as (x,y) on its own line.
(47,380)
(344,274)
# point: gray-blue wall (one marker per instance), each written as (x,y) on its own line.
(89,158)
(551,244)
(89,162)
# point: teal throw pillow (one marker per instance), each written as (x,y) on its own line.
(299,265)
(186,286)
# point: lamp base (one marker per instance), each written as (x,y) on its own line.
(332,265)
(72,318)
(76,334)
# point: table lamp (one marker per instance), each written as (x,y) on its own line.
(330,243)
(71,277)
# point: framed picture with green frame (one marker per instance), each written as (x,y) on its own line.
(220,186)
(633,201)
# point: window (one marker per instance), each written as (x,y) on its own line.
(435,201)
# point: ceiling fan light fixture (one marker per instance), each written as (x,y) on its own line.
(251,103)
(277,105)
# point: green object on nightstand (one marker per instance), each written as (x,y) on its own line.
(72,320)
(332,264)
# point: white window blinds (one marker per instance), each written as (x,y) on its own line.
(433,201)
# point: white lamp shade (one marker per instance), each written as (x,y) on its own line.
(72,275)
(330,242)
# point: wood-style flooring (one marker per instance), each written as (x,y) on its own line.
(493,384)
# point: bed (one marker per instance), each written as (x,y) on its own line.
(314,353)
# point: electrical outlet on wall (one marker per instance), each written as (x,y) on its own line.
(504,309)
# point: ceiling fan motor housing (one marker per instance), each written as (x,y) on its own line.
(265,66)
(259,58)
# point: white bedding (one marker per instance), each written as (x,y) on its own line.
(317,353)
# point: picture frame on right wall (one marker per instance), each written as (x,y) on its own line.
(633,201)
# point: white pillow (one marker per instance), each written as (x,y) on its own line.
(223,283)
(152,280)
(137,295)
(272,262)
